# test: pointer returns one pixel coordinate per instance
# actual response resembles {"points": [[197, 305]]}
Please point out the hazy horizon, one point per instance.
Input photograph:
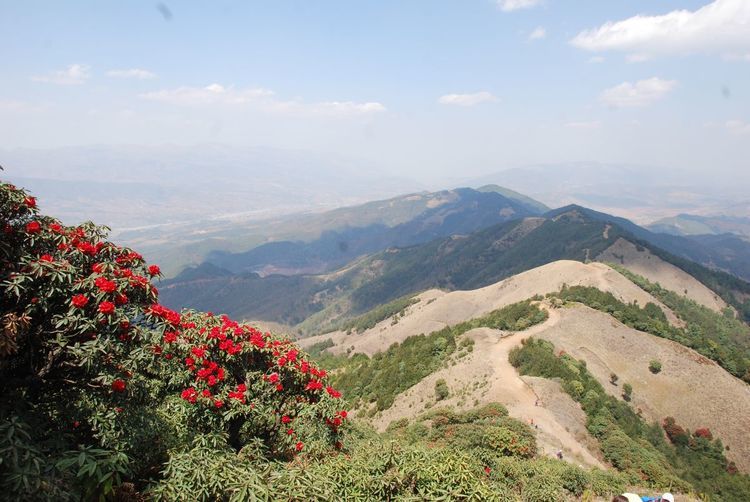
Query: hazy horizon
{"points": [[255, 109]]}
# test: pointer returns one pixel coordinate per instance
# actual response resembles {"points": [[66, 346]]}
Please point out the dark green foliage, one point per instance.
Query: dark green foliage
{"points": [[515, 317], [477, 455], [315, 350], [389, 373], [699, 458], [441, 390], [648, 318], [654, 366], [631, 445], [721, 337], [371, 318], [627, 391]]}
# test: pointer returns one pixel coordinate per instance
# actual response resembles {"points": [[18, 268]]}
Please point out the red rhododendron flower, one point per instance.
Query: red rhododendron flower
{"points": [[46, 257], [190, 395], [106, 308], [170, 336], [30, 201], [273, 377], [88, 248], [161, 311], [105, 285], [299, 446], [118, 385], [79, 301], [198, 352], [218, 403], [285, 419], [56, 228], [121, 299], [314, 385], [33, 227], [154, 270], [343, 414], [333, 392], [290, 432], [97, 267]]}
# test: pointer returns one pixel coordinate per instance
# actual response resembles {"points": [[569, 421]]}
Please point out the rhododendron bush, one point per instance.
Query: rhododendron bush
{"points": [[100, 384]]}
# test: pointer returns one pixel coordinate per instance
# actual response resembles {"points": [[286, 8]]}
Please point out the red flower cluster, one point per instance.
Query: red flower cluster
{"points": [[118, 385], [105, 285], [217, 351], [229, 368], [164, 313], [33, 227], [79, 301], [106, 308]]}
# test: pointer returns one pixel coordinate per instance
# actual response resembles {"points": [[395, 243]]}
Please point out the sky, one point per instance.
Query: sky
{"points": [[420, 88]]}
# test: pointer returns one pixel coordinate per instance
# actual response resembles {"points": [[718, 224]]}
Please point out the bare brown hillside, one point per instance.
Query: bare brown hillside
{"points": [[640, 261], [691, 388], [438, 309], [694, 390]]}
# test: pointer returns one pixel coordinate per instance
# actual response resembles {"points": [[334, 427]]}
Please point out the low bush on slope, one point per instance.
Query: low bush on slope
{"points": [[632, 446]]}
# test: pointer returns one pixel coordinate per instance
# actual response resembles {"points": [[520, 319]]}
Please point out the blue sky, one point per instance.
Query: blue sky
{"points": [[426, 88]]}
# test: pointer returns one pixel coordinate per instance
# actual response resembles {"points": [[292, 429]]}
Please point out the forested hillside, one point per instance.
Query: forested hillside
{"points": [[456, 262]]}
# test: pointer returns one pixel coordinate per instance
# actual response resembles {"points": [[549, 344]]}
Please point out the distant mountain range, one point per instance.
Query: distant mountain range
{"points": [[691, 224], [461, 260], [430, 216]]}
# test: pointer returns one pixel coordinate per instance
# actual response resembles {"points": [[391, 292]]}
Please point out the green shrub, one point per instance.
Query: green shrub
{"points": [[441, 390], [627, 391], [654, 366]]}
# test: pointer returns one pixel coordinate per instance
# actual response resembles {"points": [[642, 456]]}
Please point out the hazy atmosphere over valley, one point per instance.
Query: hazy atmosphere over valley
{"points": [[456, 250]]}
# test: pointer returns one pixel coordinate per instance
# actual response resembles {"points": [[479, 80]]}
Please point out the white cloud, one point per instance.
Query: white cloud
{"points": [[538, 33], [738, 127], [641, 93], [511, 5], [722, 26], [217, 94], [211, 94], [74, 74], [592, 124], [137, 73], [467, 99]]}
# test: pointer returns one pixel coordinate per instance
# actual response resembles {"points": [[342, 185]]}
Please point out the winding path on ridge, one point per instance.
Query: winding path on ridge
{"points": [[488, 363]]}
